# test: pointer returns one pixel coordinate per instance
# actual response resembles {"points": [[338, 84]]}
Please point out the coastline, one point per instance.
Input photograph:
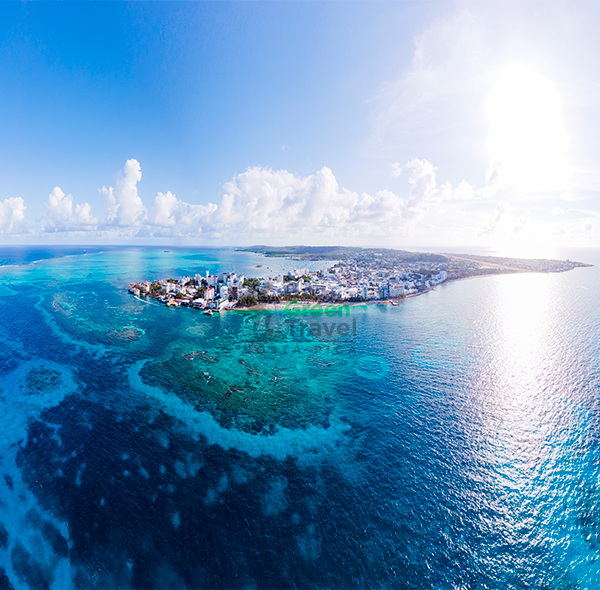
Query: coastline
{"points": [[397, 301], [309, 302]]}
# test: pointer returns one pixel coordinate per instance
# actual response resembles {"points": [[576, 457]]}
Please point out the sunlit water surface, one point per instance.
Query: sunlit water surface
{"points": [[450, 442]]}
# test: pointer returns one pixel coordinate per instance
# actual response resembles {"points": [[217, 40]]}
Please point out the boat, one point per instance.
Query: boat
{"points": [[208, 312]]}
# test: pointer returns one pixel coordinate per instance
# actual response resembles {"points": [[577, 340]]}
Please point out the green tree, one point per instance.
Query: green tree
{"points": [[246, 301], [251, 283]]}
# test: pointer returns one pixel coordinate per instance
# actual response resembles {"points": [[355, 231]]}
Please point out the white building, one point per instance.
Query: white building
{"points": [[440, 277], [397, 290]]}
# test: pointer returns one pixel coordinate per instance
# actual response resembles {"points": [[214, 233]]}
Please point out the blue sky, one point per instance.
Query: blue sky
{"points": [[391, 123]]}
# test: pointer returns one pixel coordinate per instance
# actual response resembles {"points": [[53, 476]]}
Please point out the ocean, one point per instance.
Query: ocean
{"points": [[451, 442]]}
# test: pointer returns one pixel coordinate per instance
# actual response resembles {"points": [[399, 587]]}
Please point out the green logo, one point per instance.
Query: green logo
{"points": [[294, 310]]}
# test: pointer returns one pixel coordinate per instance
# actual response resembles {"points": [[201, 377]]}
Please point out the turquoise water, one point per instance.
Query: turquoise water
{"points": [[449, 442]]}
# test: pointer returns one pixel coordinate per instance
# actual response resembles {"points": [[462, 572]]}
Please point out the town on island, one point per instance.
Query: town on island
{"points": [[357, 275]]}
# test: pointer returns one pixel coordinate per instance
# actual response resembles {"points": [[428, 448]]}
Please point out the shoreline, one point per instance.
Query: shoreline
{"points": [[309, 303], [397, 301]]}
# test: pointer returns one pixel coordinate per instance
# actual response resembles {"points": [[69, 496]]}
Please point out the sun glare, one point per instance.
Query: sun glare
{"points": [[527, 130]]}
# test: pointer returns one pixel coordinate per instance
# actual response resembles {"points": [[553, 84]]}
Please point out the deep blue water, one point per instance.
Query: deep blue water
{"points": [[450, 442]]}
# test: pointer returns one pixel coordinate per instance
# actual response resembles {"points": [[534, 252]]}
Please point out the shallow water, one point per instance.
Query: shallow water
{"points": [[449, 442]]}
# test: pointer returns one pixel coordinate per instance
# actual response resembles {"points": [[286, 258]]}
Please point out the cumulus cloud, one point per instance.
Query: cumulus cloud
{"points": [[178, 217], [125, 206], [12, 215], [257, 203], [61, 216], [424, 191], [506, 221], [263, 202], [501, 209]]}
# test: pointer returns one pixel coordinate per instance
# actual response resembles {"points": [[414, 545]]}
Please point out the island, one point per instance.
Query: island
{"points": [[356, 275]]}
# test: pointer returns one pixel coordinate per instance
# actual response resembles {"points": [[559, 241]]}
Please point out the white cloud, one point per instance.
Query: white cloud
{"points": [[176, 217], [506, 221], [125, 206], [261, 204], [60, 215], [492, 174], [465, 192], [439, 94], [12, 215], [423, 190]]}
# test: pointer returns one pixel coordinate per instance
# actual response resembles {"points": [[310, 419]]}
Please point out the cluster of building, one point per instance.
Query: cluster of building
{"points": [[209, 292], [348, 283], [342, 282]]}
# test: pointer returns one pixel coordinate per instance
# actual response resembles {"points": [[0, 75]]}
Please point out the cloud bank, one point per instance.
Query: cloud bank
{"points": [[265, 205], [257, 203]]}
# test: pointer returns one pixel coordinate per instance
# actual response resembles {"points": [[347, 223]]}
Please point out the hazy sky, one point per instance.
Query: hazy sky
{"points": [[370, 123]]}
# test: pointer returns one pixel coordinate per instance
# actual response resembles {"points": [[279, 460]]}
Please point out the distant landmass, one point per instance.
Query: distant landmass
{"points": [[392, 256], [342, 253]]}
